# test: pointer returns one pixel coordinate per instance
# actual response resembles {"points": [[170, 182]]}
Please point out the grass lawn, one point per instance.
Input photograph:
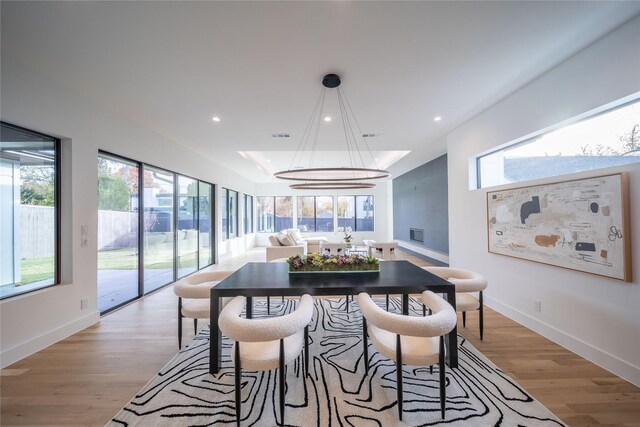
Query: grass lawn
{"points": [[36, 269]]}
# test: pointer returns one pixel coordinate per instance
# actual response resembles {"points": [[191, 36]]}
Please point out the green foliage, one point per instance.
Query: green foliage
{"points": [[113, 193], [38, 186]]}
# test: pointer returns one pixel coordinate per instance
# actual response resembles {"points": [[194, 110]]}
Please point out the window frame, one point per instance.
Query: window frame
{"points": [[57, 210], [355, 204], [530, 138], [141, 203], [248, 213], [275, 204], [315, 213]]}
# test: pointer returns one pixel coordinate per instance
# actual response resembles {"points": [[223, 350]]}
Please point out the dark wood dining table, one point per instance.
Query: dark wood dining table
{"points": [[270, 279]]}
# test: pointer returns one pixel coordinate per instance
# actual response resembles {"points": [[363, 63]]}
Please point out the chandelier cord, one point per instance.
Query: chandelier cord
{"points": [[314, 146], [364, 140], [307, 131], [344, 99]]}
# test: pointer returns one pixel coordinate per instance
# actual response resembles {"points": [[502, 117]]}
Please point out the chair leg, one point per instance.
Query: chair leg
{"points": [[268, 305], [387, 302], [195, 326], [399, 374], [306, 351], [431, 369], [365, 345], [443, 388], [281, 381], [238, 374], [347, 304], [481, 317], [424, 310], [464, 319], [179, 323]]}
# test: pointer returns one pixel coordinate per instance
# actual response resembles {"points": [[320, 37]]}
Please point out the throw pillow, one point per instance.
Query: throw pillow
{"points": [[274, 241]]}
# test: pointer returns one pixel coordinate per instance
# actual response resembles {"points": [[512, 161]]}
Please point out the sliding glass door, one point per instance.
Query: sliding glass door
{"points": [[187, 236], [159, 236], [205, 231], [118, 197]]}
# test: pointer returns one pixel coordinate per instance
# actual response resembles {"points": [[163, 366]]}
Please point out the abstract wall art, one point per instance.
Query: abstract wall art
{"points": [[579, 224]]}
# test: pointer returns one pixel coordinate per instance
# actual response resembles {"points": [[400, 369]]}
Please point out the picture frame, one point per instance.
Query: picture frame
{"points": [[578, 224]]}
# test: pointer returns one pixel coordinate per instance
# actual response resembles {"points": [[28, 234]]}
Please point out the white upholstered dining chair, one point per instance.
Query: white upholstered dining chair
{"points": [[409, 340], [466, 283], [193, 297], [267, 343]]}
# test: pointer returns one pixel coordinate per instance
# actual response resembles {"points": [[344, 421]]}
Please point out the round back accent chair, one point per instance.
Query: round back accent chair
{"points": [[465, 282], [266, 343], [409, 340], [193, 297]]}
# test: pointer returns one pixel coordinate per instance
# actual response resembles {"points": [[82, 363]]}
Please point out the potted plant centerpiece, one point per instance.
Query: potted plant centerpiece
{"points": [[316, 263], [347, 234]]}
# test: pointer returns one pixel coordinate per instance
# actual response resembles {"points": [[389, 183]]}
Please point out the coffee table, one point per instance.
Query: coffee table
{"points": [[261, 279]]}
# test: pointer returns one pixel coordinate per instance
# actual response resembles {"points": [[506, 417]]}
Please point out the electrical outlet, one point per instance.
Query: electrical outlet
{"points": [[537, 305], [84, 241], [84, 304], [84, 230]]}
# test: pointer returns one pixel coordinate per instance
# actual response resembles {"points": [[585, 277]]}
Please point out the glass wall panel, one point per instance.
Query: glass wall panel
{"points": [[265, 214], [233, 214], [158, 234], [187, 235], [224, 213], [324, 213], [248, 214], [306, 213], [28, 210], [204, 224], [284, 213], [118, 196], [364, 213], [347, 212]]}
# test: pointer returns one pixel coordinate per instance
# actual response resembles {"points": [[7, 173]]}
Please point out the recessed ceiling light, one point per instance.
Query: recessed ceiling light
{"points": [[437, 118], [216, 119], [327, 119], [268, 160]]}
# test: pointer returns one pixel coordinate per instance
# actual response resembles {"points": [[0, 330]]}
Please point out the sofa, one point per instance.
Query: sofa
{"points": [[291, 242]]}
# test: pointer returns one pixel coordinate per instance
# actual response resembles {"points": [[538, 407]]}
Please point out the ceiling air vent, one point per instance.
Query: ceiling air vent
{"points": [[280, 135], [370, 135]]}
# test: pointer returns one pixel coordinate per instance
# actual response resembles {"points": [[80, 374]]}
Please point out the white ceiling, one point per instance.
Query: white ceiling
{"points": [[172, 66]]}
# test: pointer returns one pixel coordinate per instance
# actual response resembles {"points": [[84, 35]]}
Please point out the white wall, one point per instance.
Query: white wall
{"points": [[33, 321], [595, 317], [382, 199]]}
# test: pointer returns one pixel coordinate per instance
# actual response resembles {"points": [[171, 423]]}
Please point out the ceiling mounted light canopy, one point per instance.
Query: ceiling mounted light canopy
{"points": [[330, 178]]}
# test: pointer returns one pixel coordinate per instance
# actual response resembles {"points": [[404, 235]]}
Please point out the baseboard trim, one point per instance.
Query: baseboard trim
{"points": [[424, 251], [19, 352], [598, 356]]}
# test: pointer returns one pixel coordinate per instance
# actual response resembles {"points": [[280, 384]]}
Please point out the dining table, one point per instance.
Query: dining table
{"points": [[271, 279]]}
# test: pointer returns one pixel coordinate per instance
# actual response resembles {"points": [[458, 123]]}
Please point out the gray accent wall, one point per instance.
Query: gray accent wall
{"points": [[421, 200]]}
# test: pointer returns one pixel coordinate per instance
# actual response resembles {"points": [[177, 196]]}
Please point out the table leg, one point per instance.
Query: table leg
{"points": [[249, 307], [451, 339], [215, 336], [405, 304]]}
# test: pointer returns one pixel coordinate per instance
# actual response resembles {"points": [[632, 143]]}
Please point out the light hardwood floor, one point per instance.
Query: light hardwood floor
{"points": [[90, 376]]}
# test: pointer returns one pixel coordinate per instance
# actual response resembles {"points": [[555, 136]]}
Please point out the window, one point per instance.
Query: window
{"points": [[229, 208], [187, 236], [205, 230], [148, 239], [356, 212], [118, 232], [248, 214], [274, 213], [607, 139], [315, 213], [158, 235], [30, 210]]}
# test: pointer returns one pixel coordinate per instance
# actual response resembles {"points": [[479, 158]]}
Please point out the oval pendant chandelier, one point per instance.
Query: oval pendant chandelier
{"points": [[330, 178]]}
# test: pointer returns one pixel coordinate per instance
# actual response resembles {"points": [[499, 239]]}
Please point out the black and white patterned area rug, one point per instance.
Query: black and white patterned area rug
{"points": [[337, 393]]}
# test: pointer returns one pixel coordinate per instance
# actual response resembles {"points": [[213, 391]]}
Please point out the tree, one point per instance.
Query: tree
{"points": [[38, 185], [629, 145], [113, 194]]}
